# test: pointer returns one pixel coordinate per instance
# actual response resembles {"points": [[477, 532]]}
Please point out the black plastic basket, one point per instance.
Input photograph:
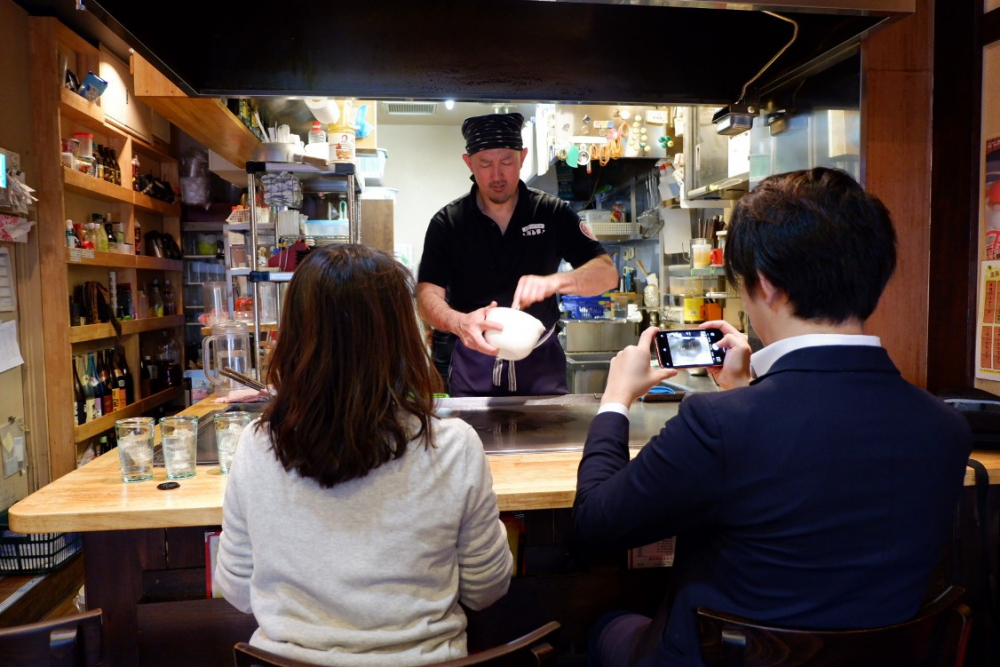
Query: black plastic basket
{"points": [[36, 553]]}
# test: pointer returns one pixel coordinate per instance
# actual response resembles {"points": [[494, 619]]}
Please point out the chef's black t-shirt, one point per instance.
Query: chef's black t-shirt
{"points": [[465, 252]]}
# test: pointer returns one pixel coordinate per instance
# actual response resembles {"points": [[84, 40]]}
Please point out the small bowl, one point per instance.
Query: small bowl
{"points": [[519, 335]]}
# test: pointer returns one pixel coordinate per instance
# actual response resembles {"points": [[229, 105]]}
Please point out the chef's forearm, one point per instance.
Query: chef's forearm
{"points": [[595, 277], [434, 310]]}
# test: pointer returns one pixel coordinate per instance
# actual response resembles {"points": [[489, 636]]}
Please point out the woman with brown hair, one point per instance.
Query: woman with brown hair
{"points": [[354, 520]]}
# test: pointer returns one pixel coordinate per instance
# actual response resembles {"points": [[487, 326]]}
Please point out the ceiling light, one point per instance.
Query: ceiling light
{"points": [[449, 104], [734, 119]]}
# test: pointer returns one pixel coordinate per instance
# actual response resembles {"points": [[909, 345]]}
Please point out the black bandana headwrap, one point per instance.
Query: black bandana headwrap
{"points": [[498, 130]]}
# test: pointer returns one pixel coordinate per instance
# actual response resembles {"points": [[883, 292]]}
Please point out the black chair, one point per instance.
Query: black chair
{"points": [[69, 641], [531, 650], [936, 637]]}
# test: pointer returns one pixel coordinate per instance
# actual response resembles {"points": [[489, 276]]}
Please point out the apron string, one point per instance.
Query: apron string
{"points": [[511, 372]]}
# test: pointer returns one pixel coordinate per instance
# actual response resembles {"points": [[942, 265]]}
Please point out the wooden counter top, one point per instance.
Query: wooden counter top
{"points": [[94, 497]]}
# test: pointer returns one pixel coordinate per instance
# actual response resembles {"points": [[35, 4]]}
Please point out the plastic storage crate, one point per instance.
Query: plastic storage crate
{"points": [[584, 307], [36, 553]]}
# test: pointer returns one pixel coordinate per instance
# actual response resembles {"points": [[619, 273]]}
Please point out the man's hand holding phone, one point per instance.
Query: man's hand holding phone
{"points": [[631, 375], [735, 370]]}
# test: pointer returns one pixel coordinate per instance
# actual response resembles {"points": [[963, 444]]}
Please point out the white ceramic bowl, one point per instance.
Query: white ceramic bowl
{"points": [[519, 335]]}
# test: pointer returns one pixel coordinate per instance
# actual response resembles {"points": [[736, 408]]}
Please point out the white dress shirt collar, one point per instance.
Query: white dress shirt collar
{"points": [[762, 360]]}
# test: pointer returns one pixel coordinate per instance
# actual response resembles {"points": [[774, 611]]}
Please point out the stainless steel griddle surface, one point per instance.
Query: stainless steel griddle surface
{"points": [[518, 425]]}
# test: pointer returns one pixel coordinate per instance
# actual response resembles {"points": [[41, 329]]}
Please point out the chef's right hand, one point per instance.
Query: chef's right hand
{"points": [[735, 369], [472, 327]]}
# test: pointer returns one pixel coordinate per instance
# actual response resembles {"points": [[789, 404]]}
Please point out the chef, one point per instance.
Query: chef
{"points": [[501, 244]]}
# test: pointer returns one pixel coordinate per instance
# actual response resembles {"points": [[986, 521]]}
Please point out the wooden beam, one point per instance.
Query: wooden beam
{"points": [[205, 119]]}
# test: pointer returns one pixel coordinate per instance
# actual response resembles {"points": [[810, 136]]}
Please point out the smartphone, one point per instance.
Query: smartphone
{"points": [[688, 348]]}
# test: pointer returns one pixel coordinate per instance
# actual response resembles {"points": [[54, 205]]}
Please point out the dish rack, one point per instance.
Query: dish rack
{"points": [[36, 553]]}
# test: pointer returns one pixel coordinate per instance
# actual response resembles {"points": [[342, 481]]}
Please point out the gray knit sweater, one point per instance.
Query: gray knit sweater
{"points": [[369, 572]]}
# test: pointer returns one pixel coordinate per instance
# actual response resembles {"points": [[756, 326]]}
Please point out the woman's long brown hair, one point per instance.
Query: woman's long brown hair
{"points": [[348, 367]]}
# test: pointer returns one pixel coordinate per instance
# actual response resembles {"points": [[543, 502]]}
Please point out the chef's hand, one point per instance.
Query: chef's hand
{"points": [[631, 374], [735, 370], [532, 289], [472, 327]]}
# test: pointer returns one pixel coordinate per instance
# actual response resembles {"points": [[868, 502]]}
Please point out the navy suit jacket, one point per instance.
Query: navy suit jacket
{"points": [[820, 496]]}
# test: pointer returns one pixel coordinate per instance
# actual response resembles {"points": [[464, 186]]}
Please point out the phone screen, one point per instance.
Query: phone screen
{"points": [[688, 348]]}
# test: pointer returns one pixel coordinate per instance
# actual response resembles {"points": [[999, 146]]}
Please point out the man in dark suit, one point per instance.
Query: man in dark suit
{"points": [[818, 489]]}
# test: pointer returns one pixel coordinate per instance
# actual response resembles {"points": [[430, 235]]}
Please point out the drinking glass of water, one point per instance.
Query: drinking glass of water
{"points": [[135, 448], [228, 429], [179, 438]]}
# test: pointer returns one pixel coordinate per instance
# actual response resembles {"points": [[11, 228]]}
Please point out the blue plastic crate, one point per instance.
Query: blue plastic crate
{"points": [[584, 307]]}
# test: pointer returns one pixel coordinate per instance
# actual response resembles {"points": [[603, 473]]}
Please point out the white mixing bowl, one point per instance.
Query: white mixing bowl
{"points": [[520, 333]]}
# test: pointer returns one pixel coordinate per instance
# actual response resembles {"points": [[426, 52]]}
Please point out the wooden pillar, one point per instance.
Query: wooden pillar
{"points": [[920, 136], [896, 131]]}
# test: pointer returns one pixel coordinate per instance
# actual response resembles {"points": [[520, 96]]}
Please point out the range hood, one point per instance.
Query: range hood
{"points": [[644, 52]]}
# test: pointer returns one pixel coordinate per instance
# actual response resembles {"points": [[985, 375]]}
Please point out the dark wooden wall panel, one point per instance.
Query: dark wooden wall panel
{"points": [[896, 136]]}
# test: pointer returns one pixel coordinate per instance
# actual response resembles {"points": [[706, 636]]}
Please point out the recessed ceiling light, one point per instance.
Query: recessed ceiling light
{"points": [[449, 104]]}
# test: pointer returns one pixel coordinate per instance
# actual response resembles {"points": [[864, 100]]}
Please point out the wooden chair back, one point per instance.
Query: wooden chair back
{"points": [[531, 650], [69, 641], [936, 637]]}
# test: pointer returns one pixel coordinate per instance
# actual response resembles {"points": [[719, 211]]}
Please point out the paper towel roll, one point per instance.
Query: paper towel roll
{"points": [[323, 109]]}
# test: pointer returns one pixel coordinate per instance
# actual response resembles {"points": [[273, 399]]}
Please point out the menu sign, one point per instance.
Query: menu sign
{"points": [[988, 340]]}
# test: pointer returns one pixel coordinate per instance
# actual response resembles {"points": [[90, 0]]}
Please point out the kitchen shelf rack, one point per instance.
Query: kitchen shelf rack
{"points": [[338, 177]]}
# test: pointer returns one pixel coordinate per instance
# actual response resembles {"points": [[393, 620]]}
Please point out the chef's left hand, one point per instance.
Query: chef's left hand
{"points": [[532, 289]]}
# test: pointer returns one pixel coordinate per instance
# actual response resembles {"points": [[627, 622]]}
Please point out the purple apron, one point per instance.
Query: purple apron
{"points": [[542, 373]]}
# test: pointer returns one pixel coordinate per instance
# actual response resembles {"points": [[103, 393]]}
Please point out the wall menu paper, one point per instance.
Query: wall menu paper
{"points": [[988, 338], [10, 352], [8, 298]]}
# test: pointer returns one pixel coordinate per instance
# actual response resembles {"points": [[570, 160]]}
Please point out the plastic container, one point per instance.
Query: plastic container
{"points": [[342, 143], [326, 228], [86, 149], [316, 134], [37, 553], [584, 307]]}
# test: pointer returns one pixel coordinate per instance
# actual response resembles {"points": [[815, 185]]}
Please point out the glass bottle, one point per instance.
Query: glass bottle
{"points": [[96, 390], [79, 397], [155, 300], [169, 306], [104, 380], [126, 380]]}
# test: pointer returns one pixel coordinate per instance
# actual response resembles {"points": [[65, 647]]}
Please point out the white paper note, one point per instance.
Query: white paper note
{"points": [[10, 351]]}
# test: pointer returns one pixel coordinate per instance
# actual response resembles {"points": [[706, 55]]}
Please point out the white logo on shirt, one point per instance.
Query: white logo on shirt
{"points": [[533, 230]]}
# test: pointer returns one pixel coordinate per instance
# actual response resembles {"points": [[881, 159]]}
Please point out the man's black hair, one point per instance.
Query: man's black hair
{"points": [[819, 237]]}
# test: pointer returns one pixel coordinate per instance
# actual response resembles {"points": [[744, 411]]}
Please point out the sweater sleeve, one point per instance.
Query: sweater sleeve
{"points": [[234, 562], [484, 559]]}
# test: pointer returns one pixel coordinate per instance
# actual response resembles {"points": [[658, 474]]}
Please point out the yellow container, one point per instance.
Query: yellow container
{"points": [[694, 309]]}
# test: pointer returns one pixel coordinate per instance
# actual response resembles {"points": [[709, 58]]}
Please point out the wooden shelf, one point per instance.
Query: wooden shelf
{"points": [[88, 186], [158, 263], [84, 112], [112, 260], [155, 205], [107, 422], [89, 332], [156, 152], [119, 261]]}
